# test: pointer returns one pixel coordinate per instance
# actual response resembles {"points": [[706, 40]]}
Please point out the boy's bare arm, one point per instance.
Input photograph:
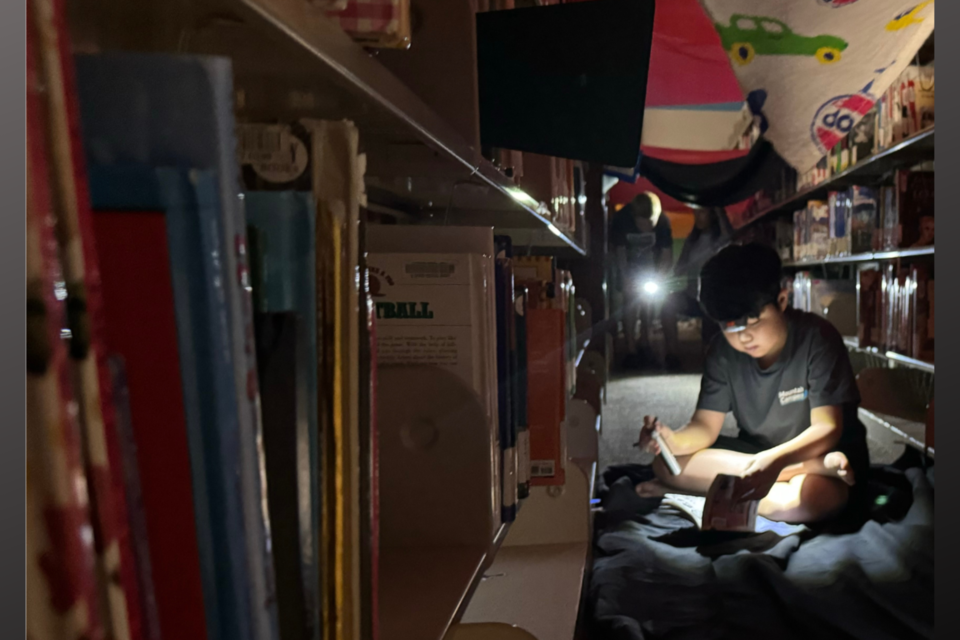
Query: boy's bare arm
{"points": [[823, 434], [698, 434]]}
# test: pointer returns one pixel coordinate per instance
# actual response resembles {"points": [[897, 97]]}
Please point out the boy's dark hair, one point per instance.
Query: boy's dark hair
{"points": [[739, 282]]}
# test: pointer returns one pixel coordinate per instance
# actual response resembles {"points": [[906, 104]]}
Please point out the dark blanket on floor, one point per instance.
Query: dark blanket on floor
{"points": [[656, 577]]}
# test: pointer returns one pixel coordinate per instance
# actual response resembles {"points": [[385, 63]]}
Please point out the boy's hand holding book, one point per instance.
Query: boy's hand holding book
{"points": [[757, 478]]}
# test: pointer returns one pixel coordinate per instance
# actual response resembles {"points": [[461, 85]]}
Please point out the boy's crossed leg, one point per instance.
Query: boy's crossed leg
{"points": [[804, 493]]}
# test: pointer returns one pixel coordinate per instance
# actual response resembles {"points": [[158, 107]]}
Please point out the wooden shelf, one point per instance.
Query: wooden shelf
{"points": [[915, 149], [902, 360], [534, 587], [899, 254], [417, 163], [425, 590]]}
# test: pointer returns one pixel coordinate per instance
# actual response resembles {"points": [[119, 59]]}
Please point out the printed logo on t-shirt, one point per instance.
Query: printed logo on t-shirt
{"points": [[792, 395]]}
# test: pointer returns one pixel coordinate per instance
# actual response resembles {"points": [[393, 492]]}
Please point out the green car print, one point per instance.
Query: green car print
{"points": [[748, 36]]}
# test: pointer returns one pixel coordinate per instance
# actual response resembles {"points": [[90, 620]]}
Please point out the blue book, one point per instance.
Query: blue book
{"points": [[188, 198], [166, 110], [519, 387], [505, 341], [286, 224]]}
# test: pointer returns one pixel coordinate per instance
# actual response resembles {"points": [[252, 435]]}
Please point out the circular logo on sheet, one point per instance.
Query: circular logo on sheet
{"points": [[836, 117]]}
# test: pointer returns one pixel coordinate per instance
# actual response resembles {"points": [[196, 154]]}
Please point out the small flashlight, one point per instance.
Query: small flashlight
{"points": [[651, 287]]}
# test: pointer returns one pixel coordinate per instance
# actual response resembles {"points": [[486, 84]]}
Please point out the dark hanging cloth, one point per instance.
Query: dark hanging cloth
{"points": [[718, 184]]}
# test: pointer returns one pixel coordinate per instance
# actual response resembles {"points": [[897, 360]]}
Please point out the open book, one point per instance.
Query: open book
{"points": [[718, 512]]}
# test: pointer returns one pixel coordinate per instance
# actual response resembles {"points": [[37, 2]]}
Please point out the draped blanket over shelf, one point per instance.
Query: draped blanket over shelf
{"points": [[812, 69], [805, 72]]}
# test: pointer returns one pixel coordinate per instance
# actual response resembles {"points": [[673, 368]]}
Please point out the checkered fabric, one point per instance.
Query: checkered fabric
{"points": [[369, 16]]}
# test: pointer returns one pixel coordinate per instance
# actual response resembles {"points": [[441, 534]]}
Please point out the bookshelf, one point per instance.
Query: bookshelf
{"points": [[417, 163], [425, 591], [913, 150], [393, 524]]}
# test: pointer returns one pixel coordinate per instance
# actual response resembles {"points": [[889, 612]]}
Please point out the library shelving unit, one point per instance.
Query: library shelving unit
{"points": [[897, 390], [290, 62], [911, 151]]}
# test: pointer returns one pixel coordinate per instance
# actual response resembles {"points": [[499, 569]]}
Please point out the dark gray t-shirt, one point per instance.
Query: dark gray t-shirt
{"points": [[773, 406]]}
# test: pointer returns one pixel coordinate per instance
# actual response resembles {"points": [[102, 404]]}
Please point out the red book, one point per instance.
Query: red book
{"points": [[140, 327], [545, 392]]}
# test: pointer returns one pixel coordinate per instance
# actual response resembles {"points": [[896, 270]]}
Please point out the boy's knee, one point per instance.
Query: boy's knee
{"points": [[660, 468], [824, 496], [663, 471]]}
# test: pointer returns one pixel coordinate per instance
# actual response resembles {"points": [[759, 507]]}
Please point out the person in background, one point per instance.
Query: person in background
{"points": [[711, 232], [642, 240]]}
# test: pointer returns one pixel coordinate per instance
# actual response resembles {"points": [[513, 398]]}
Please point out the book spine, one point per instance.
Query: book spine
{"points": [[60, 557], [369, 468], [281, 397], [337, 186], [545, 395], [519, 387], [136, 513], [286, 223], [89, 373], [262, 599], [223, 449], [504, 322]]}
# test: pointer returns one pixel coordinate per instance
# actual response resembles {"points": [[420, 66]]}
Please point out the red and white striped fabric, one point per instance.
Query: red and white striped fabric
{"points": [[370, 16]]}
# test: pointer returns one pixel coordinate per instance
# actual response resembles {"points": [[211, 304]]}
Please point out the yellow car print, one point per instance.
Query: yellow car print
{"points": [[908, 17]]}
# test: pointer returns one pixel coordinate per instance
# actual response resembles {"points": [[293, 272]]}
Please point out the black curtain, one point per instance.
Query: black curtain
{"points": [[721, 183]]}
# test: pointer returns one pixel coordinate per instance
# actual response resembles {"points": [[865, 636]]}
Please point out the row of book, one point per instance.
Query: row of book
{"points": [[203, 352], [903, 110], [888, 308], [865, 219], [201, 412], [897, 310]]}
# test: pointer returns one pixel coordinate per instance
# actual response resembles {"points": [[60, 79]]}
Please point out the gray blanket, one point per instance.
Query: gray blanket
{"points": [[656, 577]]}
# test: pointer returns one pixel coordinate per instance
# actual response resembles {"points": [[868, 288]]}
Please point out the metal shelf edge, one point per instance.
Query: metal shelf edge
{"points": [[325, 40], [864, 257], [807, 194], [854, 343]]}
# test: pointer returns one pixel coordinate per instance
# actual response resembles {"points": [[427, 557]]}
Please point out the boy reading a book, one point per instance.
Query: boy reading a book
{"points": [[786, 376]]}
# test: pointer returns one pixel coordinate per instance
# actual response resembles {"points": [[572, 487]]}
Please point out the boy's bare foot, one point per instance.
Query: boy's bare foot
{"points": [[836, 461], [651, 489]]}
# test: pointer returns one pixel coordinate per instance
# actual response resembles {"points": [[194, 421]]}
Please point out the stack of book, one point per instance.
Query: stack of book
{"points": [[897, 310], [864, 219]]}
